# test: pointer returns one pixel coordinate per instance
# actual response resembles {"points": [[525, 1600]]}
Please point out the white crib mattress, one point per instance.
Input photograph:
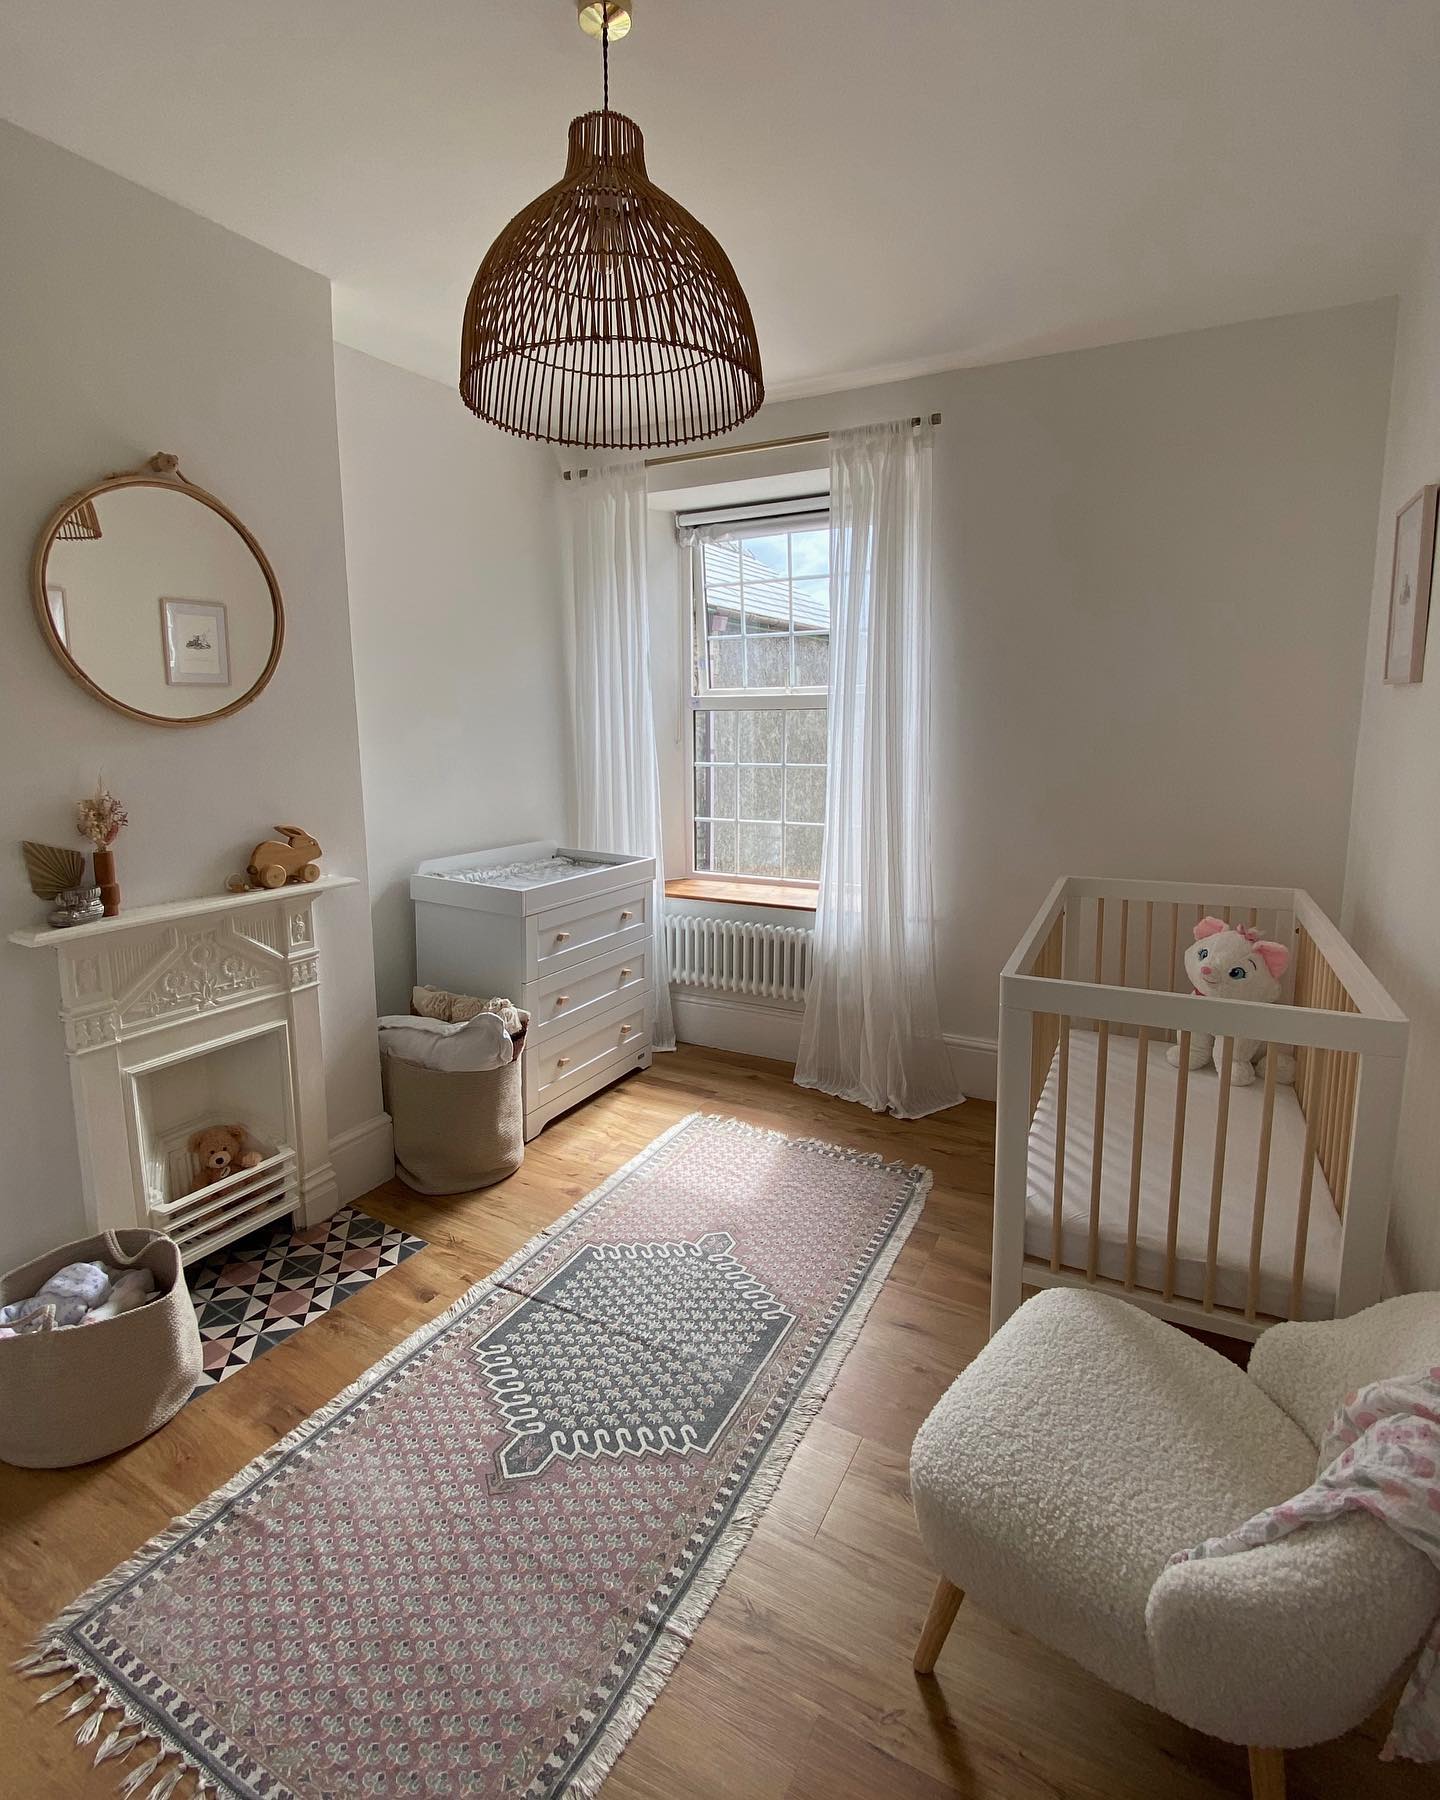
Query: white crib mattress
{"points": [[1322, 1256]]}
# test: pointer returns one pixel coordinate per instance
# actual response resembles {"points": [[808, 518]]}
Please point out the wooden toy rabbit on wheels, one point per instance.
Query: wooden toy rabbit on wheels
{"points": [[274, 863]]}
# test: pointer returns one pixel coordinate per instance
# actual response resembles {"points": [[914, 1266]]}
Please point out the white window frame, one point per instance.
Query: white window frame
{"points": [[788, 699]]}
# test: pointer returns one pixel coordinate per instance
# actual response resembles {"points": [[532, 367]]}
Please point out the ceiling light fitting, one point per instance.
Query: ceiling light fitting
{"points": [[604, 315]]}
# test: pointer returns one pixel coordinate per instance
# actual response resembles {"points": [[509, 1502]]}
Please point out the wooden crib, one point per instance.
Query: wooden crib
{"points": [[1210, 1204]]}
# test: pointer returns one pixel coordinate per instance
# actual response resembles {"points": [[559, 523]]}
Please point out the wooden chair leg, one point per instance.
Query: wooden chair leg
{"points": [[1267, 1773], [944, 1604]]}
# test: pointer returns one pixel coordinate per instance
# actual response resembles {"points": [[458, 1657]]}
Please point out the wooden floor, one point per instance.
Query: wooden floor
{"points": [[798, 1685]]}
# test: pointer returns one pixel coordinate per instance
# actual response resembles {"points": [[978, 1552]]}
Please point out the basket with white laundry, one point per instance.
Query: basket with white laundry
{"points": [[451, 1072]]}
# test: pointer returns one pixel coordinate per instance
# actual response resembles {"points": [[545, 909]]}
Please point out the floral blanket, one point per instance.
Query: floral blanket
{"points": [[1381, 1456]]}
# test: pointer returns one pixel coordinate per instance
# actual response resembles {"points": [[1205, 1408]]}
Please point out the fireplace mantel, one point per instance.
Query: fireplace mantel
{"points": [[194, 1013], [50, 937]]}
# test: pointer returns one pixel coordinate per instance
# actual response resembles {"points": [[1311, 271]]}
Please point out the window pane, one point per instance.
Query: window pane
{"points": [[812, 659], [723, 793], [758, 850], [767, 662], [772, 551], [721, 563], [760, 790], [812, 605], [767, 606], [802, 852], [805, 796], [760, 735], [703, 863], [725, 662], [722, 619], [723, 848], [714, 737], [810, 552], [805, 736]]}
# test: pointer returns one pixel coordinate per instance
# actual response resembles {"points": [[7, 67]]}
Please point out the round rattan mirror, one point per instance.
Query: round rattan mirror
{"points": [[156, 599]]}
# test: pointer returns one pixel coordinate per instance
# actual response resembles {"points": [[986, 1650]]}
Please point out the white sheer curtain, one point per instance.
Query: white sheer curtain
{"points": [[872, 1026], [617, 773]]}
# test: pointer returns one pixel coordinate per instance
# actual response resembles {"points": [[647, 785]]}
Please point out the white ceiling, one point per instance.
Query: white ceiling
{"points": [[901, 187]]}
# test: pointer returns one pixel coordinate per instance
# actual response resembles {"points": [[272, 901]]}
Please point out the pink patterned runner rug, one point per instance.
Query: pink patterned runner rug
{"points": [[474, 1570]]}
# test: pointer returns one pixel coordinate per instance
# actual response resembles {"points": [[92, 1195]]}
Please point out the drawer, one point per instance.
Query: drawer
{"points": [[565, 1059], [571, 997], [585, 929]]}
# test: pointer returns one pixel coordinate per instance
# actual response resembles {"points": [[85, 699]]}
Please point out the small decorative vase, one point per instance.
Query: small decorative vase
{"points": [[106, 882], [76, 906]]}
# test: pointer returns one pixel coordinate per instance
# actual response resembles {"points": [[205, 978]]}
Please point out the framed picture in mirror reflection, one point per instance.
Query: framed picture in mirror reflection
{"points": [[196, 643]]}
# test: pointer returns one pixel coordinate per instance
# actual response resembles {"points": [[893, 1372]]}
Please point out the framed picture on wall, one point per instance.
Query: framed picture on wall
{"points": [[1410, 577], [196, 643], [55, 606]]}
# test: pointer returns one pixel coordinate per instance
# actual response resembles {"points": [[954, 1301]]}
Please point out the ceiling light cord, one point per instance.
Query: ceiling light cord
{"points": [[605, 49]]}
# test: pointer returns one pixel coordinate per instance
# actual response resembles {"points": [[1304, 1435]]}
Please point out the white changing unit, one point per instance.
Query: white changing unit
{"points": [[566, 934]]}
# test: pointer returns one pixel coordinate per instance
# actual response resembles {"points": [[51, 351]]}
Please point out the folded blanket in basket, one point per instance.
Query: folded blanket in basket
{"points": [[1380, 1456], [471, 1044], [81, 1293]]}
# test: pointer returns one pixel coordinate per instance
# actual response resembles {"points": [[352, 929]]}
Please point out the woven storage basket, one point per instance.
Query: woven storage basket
{"points": [[455, 1132], [74, 1395]]}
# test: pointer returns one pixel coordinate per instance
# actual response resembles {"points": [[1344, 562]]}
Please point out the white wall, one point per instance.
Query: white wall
{"points": [[1392, 882], [132, 326], [455, 598], [1151, 573]]}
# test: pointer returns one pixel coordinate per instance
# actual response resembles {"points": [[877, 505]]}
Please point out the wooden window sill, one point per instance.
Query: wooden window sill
{"points": [[742, 893]]}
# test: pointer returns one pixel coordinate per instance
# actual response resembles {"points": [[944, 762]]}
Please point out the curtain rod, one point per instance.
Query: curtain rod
{"points": [[784, 443]]}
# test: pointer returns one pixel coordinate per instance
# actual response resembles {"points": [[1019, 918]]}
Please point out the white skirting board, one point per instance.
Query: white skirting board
{"points": [[363, 1157], [758, 1028]]}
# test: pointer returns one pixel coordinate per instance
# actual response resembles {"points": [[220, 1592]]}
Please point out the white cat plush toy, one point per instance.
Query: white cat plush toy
{"points": [[1233, 962]]}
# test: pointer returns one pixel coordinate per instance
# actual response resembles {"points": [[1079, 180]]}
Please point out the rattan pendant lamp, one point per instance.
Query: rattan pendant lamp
{"points": [[605, 315]]}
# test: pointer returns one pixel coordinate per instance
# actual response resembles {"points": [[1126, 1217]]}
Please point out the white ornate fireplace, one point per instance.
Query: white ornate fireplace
{"points": [[196, 1013]]}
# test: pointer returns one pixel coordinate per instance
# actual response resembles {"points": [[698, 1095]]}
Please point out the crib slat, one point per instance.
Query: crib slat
{"points": [[1217, 1173], [1177, 1161], [1097, 1147], [1100, 938], [1137, 1144], [1330, 1106], [1124, 976], [1348, 1082], [1172, 977], [1307, 1183], [1124, 943], [1262, 1182], [1149, 939], [1062, 1094]]}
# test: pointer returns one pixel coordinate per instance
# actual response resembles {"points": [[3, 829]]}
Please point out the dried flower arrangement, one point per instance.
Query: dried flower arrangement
{"points": [[101, 818]]}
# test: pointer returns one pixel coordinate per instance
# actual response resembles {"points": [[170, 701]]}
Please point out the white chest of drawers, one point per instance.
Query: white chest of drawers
{"points": [[566, 934]]}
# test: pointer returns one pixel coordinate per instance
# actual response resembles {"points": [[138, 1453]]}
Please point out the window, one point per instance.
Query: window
{"points": [[760, 667]]}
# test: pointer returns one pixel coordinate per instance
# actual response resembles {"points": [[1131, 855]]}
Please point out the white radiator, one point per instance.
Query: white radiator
{"points": [[771, 962]]}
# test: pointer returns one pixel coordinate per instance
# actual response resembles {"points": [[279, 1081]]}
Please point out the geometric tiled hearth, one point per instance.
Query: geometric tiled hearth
{"points": [[260, 1290]]}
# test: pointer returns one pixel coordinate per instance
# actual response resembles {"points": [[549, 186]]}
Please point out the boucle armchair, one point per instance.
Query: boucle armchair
{"points": [[1089, 1441]]}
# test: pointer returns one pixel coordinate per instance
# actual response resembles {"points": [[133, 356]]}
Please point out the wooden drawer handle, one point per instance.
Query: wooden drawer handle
{"points": [[626, 915], [625, 1029], [560, 999], [625, 974], [561, 936], [560, 1061]]}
